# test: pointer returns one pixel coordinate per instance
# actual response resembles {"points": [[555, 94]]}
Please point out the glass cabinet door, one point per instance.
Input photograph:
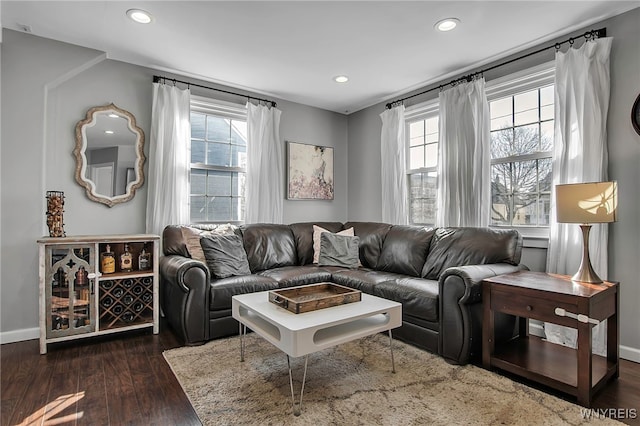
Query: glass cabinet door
{"points": [[69, 289]]}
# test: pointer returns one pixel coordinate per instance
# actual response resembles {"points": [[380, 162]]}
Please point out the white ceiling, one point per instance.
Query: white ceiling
{"points": [[293, 49]]}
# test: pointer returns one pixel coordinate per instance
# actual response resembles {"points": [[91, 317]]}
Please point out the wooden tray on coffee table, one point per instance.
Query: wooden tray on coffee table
{"points": [[307, 298]]}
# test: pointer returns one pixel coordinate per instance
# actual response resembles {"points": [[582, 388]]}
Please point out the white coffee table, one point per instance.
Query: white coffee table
{"points": [[301, 334]]}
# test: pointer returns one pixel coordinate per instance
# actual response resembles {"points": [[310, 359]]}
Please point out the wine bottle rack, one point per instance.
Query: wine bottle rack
{"points": [[81, 297], [125, 301]]}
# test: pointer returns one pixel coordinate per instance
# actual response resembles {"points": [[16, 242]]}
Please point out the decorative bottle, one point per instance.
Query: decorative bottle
{"points": [[108, 261], [144, 260], [126, 260]]}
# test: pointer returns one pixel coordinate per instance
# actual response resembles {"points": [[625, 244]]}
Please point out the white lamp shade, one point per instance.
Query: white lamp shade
{"points": [[594, 202]]}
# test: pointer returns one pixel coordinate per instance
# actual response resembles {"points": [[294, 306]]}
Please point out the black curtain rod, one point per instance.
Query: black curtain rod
{"points": [[157, 78], [589, 35]]}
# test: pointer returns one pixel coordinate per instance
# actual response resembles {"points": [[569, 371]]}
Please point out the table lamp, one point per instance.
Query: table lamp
{"points": [[587, 203]]}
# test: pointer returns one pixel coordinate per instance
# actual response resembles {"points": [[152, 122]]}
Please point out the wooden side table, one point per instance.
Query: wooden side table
{"points": [[538, 295]]}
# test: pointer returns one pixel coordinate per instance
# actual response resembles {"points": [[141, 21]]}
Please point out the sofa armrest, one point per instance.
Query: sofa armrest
{"points": [[185, 294], [460, 290]]}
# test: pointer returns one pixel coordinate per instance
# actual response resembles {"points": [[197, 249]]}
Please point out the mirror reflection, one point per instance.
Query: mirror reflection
{"points": [[109, 155]]}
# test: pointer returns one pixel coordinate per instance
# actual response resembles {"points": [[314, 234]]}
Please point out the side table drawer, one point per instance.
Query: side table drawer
{"points": [[531, 307]]}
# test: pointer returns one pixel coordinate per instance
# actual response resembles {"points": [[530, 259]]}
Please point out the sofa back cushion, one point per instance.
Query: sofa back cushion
{"points": [[303, 235], [471, 246], [184, 240], [371, 236], [269, 246], [405, 249]]}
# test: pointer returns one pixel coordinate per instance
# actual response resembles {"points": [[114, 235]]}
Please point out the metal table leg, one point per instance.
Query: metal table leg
{"points": [[393, 363], [243, 332], [297, 409]]}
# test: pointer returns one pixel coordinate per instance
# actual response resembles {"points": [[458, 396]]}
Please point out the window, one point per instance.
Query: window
{"points": [[521, 151], [218, 161], [521, 111], [422, 134]]}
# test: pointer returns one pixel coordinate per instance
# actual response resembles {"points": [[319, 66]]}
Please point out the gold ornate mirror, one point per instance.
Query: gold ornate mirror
{"points": [[109, 155]]}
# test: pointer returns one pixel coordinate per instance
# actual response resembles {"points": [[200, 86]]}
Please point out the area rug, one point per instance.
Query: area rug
{"points": [[352, 384]]}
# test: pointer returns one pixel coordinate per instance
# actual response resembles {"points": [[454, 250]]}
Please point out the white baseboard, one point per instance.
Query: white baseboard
{"points": [[630, 354], [19, 335]]}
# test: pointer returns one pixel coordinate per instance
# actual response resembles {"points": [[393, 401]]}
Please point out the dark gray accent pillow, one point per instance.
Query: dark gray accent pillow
{"points": [[339, 250], [225, 255]]}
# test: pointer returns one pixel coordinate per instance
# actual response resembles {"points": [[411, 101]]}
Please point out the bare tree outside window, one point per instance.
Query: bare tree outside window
{"points": [[521, 166]]}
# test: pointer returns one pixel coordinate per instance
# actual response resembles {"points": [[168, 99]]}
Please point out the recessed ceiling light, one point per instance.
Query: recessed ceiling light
{"points": [[341, 79], [109, 132], [139, 15], [112, 115], [447, 24]]}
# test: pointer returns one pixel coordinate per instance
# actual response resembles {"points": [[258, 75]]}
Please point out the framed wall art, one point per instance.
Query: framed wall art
{"points": [[309, 172]]}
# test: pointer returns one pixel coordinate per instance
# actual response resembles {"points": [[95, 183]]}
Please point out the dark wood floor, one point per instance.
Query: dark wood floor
{"points": [[124, 379]]}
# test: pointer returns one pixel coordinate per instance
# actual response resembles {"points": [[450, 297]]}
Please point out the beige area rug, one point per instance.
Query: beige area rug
{"points": [[352, 384]]}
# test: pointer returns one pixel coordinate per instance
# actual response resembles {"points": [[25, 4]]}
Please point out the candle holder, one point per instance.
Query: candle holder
{"points": [[55, 209]]}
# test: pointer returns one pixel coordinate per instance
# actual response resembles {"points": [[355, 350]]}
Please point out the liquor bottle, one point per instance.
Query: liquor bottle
{"points": [[126, 260], [144, 260], [108, 261], [82, 277]]}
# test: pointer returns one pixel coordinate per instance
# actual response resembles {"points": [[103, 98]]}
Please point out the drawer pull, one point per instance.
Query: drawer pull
{"points": [[529, 308], [580, 317]]}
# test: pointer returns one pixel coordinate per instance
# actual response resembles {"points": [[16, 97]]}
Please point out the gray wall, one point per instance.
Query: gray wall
{"points": [[48, 87], [624, 158]]}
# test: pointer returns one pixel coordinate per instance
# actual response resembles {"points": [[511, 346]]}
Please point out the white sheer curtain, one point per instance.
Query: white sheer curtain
{"points": [[464, 163], [168, 192], [265, 165], [580, 155], [393, 167]]}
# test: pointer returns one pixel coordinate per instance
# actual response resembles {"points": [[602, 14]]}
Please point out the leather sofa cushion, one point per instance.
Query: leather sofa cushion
{"points": [[363, 279], [223, 289], [405, 249], [225, 255], [185, 240], [290, 276], [303, 235], [371, 236], [419, 297], [471, 246], [269, 246], [173, 241]]}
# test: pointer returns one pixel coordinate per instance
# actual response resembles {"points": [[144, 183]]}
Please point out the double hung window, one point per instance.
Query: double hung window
{"points": [[522, 128], [218, 161], [422, 134]]}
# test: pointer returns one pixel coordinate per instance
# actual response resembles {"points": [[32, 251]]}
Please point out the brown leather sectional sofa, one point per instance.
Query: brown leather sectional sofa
{"points": [[435, 273]]}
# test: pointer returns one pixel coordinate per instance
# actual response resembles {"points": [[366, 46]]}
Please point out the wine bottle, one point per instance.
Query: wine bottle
{"points": [[127, 283], [107, 302], [137, 290], [117, 309], [147, 297], [137, 307], [118, 292], [106, 284], [127, 299], [127, 316]]}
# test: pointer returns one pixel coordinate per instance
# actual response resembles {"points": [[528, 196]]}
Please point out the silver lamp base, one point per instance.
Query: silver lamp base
{"points": [[586, 274]]}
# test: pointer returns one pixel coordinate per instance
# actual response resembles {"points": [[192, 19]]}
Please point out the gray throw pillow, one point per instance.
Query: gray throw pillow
{"points": [[339, 250], [225, 255]]}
